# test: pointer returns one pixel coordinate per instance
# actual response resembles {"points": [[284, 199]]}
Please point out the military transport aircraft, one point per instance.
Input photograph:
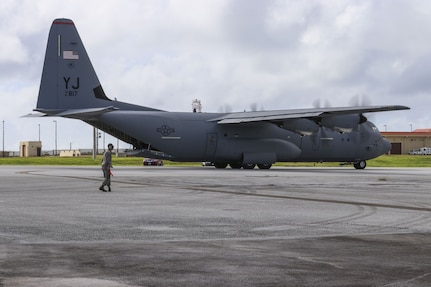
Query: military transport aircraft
{"points": [[70, 88]]}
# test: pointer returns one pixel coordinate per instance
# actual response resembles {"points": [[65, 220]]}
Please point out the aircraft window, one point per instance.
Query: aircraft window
{"points": [[373, 127]]}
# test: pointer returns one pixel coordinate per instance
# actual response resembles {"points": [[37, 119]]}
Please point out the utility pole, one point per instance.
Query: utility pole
{"points": [[55, 152], [94, 142], [118, 149], [3, 140]]}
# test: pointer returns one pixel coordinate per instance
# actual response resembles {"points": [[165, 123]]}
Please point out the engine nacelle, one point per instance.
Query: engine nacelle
{"points": [[342, 123], [301, 126]]}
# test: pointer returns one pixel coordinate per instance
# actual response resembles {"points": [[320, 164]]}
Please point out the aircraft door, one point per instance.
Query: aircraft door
{"points": [[211, 145]]}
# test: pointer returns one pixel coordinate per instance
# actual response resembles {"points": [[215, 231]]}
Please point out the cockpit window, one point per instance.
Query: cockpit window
{"points": [[373, 127]]}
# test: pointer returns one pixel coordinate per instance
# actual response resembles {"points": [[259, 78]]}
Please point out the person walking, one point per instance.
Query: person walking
{"points": [[106, 168]]}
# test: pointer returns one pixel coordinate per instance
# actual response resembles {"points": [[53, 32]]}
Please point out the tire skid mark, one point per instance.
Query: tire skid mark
{"points": [[244, 193]]}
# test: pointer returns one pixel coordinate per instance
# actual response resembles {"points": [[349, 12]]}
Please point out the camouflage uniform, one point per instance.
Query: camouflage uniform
{"points": [[106, 168]]}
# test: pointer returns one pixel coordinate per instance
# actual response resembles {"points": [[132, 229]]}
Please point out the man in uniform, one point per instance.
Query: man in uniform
{"points": [[106, 167]]}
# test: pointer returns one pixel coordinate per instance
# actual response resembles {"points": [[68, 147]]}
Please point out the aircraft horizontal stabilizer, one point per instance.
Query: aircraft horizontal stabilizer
{"points": [[31, 115], [75, 113]]}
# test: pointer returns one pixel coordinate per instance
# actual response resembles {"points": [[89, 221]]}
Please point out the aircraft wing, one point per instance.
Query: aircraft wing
{"points": [[280, 115]]}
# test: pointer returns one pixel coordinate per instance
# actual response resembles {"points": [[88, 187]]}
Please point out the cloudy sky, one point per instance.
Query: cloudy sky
{"points": [[230, 54]]}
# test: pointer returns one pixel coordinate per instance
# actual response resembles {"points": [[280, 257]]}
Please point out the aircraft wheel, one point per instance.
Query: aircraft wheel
{"points": [[264, 166], [360, 164], [235, 165], [220, 165], [248, 165]]}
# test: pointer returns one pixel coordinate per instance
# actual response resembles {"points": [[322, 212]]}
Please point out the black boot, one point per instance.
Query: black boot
{"points": [[109, 188], [102, 189]]}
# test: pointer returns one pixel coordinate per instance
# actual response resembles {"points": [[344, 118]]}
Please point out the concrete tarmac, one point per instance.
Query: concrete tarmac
{"points": [[199, 226]]}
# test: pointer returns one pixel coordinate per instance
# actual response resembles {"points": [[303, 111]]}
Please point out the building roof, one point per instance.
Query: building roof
{"points": [[415, 133], [422, 131]]}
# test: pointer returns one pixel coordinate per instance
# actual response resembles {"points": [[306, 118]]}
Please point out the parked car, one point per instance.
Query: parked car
{"points": [[153, 161], [421, 151]]}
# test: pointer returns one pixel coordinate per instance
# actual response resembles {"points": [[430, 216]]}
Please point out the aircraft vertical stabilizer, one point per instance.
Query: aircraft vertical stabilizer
{"points": [[69, 81], [68, 78]]}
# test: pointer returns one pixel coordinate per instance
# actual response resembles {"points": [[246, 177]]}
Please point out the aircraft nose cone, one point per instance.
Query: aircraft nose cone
{"points": [[386, 146]]}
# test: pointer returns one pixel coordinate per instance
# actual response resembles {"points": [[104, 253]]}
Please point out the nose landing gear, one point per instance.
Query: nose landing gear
{"points": [[360, 164]]}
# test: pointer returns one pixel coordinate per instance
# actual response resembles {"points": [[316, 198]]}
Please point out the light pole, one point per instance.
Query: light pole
{"points": [[99, 135], [3, 140], [55, 151], [94, 142], [39, 132], [118, 144], [386, 128], [411, 128]]}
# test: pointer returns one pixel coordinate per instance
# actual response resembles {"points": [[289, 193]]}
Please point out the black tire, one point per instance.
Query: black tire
{"points": [[264, 166], [360, 164], [248, 166], [235, 165], [220, 165]]}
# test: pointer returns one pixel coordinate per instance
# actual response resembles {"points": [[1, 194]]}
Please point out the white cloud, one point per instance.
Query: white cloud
{"points": [[13, 52]]}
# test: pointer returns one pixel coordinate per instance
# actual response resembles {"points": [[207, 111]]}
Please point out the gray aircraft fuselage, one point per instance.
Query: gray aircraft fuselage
{"points": [[194, 137]]}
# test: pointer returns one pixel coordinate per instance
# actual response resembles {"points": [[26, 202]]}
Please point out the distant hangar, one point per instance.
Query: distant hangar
{"points": [[403, 142]]}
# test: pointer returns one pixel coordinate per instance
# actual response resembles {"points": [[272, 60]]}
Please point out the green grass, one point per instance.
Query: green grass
{"points": [[382, 161], [80, 160], [401, 161]]}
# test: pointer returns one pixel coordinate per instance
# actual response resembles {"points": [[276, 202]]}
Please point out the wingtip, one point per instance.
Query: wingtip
{"points": [[400, 107]]}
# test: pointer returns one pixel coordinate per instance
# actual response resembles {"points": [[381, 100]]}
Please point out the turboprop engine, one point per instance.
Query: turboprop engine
{"points": [[343, 123], [339, 123], [303, 127]]}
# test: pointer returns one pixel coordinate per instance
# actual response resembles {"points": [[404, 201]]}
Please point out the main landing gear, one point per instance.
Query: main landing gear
{"points": [[244, 166], [358, 165]]}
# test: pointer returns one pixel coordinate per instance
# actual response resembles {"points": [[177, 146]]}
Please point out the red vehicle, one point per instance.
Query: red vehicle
{"points": [[153, 161]]}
